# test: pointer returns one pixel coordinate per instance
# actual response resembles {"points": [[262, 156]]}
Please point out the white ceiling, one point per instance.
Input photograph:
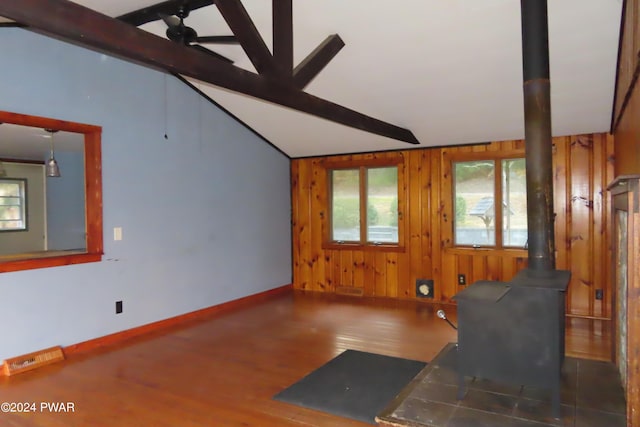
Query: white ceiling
{"points": [[31, 143], [448, 70]]}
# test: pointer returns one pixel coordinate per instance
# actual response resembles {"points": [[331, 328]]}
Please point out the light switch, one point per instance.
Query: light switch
{"points": [[117, 233]]}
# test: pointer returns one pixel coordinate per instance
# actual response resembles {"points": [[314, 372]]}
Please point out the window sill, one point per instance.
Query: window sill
{"points": [[361, 247], [45, 259], [502, 252]]}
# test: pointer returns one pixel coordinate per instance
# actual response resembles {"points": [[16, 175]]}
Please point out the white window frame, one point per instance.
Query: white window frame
{"points": [[498, 195], [22, 204]]}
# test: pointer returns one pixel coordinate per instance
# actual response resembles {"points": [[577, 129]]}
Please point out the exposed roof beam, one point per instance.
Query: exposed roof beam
{"points": [[88, 28], [282, 14], [153, 13], [11, 25], [247, 34], [309, 68]]}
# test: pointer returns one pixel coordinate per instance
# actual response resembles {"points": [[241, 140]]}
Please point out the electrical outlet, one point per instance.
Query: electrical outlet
{"points": [[118, 307], [599, 294], [117, 233], [462, 279]]}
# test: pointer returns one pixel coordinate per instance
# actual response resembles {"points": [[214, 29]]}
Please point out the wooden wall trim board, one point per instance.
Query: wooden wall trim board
{"points": [[161, 325], [633, 305], [173, 321], [583, 166]]}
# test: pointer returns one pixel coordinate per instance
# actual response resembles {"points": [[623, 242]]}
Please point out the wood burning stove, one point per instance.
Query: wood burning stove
{"points": [[513, 332]]}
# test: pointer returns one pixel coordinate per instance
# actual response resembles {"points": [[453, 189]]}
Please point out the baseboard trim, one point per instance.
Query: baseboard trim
{"points": [[160, 325]]}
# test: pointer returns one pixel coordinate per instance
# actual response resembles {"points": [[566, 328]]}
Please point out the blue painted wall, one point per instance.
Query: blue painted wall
{"points": [[65, 203], [205, 213]]}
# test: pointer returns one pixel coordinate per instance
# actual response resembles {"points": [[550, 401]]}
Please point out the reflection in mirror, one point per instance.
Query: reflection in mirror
{"points": [[48, 213]]}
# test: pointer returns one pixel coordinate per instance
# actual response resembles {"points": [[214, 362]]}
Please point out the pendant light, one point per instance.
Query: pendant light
{"points": [[52, 168]]}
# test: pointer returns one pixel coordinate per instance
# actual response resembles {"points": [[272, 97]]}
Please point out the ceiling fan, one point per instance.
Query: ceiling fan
{"points": [[178, 32], [173, 13]]}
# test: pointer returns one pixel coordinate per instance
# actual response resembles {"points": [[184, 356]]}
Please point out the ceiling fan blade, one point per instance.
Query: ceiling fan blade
{"points": [[218, 39], [170, 7], [210, 52]]}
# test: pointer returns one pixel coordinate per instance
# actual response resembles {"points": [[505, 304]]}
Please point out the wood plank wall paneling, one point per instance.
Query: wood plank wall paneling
{"points": [[628, 55], [580, 224], [582, 165], [627, 100], [626, 131]]}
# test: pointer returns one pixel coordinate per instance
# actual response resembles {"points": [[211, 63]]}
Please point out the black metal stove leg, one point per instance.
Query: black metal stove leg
{"points": [[461, 388], [555, 402]]}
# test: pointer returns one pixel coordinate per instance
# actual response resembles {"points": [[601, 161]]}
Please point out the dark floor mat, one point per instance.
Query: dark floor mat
{"points": [[354, 384]]}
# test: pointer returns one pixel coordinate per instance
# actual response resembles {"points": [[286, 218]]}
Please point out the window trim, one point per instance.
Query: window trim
{"points": [[363, 165], [497, 157], [23, 204], [93, 196]]}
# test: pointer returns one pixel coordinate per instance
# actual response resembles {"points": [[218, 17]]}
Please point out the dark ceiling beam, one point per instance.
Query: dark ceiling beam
{"points": [[309, 68], [85, 27], [153, 13], [11, 25], [282, 14], [247, 34]]}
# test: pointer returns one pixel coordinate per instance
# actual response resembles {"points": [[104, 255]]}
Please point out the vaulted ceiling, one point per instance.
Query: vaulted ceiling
{"points": [[442, 72]]}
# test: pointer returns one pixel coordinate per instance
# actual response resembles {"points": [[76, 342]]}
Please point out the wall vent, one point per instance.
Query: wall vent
{"points": [[349, 290], [27, 362]]}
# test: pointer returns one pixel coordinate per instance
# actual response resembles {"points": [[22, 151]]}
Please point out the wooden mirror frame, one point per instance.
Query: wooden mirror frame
{"points": [[93, 194]]}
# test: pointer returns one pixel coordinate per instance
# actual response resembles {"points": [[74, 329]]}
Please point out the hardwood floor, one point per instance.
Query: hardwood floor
{"points": [[223, 371]]}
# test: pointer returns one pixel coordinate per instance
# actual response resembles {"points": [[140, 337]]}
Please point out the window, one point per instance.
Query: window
{"points": [[364, 205], [13, 204], [490, 195]]}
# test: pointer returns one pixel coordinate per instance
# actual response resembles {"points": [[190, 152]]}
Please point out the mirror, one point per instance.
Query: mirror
{"points": [[49, 220]]}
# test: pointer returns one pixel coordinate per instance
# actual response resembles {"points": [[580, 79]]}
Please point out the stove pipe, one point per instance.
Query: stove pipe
{"points": [[538, 142]]}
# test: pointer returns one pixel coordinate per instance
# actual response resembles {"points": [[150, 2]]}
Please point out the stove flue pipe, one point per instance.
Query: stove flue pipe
{"points": [[538, 142]]}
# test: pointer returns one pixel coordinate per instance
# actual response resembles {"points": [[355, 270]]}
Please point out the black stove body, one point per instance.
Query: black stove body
{"points": [[513, 332]]}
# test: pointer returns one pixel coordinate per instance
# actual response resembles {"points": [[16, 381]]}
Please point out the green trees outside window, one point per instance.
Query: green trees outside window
{"points": [[490, 195], [364, 205]]}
